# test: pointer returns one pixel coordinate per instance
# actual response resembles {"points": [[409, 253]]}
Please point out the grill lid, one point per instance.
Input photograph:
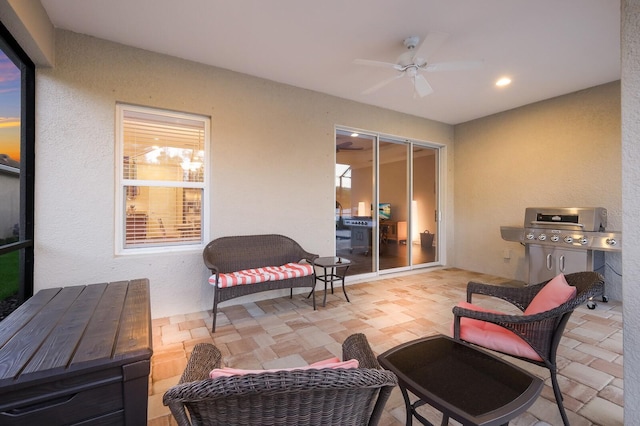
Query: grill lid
{"points": [[578, 228], [592, 219]]}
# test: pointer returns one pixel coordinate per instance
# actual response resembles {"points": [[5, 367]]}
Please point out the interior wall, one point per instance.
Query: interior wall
{"points": [[361, 189], [266, 178], [424, 191], [394, 190], [424, 176], [564, 152]]}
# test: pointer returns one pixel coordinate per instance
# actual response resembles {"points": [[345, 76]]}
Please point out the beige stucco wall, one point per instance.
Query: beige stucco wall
{"points": [[272, 162], [563, 152], [631, 206], [74, 231]]}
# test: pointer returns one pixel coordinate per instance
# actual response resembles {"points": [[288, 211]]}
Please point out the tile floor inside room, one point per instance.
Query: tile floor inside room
{"points": [[285, 332]]}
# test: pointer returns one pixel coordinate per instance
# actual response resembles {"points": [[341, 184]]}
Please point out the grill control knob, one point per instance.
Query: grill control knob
{"points": [[555, 238], [568, 239], [542, 237], [530, 236], [583, 240], [611, 241]]}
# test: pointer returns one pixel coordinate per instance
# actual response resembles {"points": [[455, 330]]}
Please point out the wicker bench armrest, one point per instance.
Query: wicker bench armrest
{"points": [[310, 257], [204, 358]]}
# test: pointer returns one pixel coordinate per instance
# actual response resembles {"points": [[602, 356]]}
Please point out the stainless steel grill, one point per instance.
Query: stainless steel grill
{"points": [[563, 240], [361, 230]]}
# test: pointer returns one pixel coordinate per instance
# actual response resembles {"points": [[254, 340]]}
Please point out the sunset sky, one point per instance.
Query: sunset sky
{"points": [[9, 108]]}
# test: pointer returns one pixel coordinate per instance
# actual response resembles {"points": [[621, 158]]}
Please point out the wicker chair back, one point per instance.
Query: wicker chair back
{"points": [[353, 396]]}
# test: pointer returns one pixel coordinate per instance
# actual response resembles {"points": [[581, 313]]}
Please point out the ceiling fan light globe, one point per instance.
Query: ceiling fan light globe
{"points": [[405, 59]]}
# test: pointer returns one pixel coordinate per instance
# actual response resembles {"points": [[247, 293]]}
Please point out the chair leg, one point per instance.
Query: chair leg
{"points": [[558, 395], [214, 313]]}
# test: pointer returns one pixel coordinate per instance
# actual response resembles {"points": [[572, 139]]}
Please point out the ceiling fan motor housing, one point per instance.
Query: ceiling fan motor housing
{"points": [[411, 42]]}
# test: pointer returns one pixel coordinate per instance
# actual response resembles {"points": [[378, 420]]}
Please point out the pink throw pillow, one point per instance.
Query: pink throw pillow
{"points": [[553, 294], [493, 336], [328, 363]]}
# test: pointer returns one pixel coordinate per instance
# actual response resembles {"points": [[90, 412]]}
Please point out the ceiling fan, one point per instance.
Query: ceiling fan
{"points": [[346, 146], [415, 60]]}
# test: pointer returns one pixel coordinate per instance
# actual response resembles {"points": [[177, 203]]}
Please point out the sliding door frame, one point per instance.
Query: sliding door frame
{"points": [[440, 186]]}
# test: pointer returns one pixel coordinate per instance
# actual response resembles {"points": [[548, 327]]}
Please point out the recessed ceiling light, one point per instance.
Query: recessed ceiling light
{"points": [[355, 135], [504, 81]]}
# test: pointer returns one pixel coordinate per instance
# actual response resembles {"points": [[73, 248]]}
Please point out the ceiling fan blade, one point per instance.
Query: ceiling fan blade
{"points": [[453, 66], [376, 63], [422, 86], [431, 43], [381, 84]]}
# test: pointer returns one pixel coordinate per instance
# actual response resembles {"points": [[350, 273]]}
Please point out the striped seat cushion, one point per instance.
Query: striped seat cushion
{"points": [[290, 270], [247, 276], [259, 275]]}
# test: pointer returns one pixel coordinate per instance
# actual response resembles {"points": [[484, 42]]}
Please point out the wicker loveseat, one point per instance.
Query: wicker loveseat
{"points": [[342, 396], [248, 264]]}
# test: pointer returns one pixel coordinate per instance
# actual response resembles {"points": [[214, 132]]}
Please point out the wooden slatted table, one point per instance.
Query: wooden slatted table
{"points": [[77, 354]]}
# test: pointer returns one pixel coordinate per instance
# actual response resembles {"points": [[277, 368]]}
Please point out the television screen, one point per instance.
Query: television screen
{"points": [[384, 211]]}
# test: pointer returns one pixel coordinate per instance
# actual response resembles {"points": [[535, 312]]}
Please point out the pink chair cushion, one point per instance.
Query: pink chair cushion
{"points": [[553, 294], [492, 336], [327, 363]]}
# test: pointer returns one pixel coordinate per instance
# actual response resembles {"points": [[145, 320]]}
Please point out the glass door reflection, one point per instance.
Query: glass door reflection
{"points": [[355, 224], [394, 209], [424, 205]]}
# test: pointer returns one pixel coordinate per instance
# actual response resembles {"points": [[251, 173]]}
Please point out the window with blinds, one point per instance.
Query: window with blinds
{"points": [[162, 177]]}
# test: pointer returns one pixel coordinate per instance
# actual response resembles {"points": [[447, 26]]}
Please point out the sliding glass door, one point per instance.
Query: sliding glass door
{"points": [[394, 209], [386, 202], [424, 205]]}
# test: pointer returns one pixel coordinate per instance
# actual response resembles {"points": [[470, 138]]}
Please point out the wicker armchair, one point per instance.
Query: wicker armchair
{"points": [[541, 331], [297, 397]]}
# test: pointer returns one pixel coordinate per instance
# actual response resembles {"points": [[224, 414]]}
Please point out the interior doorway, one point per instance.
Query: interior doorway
{"points": [[386, 202]]}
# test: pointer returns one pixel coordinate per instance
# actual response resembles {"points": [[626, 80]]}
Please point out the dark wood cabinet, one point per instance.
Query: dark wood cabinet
{"points": [[76, 355]]}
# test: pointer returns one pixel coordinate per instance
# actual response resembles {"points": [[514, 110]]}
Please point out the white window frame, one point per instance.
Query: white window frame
{"points": [[120, 204]]}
